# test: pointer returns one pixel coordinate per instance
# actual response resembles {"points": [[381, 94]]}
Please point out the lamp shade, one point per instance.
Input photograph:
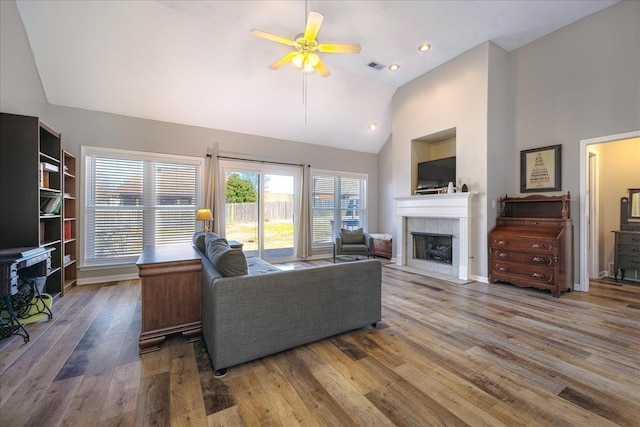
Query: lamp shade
{"points": [[204, 215]]}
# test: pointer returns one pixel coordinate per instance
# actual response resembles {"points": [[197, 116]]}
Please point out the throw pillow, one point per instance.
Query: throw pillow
{"points": [[229, 262], [351, 237], [198, 240]]}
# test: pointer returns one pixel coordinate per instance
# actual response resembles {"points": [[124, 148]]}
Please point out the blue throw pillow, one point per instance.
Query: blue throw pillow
{"points": [[198, 240]]}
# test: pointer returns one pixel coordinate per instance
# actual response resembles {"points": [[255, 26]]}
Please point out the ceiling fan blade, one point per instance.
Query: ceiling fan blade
{"points": [[313, 25], [339, 48], [322, 69], [272, 37], [284, 60]]}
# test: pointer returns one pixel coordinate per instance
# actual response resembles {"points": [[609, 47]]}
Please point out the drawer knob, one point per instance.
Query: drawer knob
{"points": [[502, 242], [538, 275], [537, 246], [503, 269], [538, 259], [635, 239], [503, 255]]}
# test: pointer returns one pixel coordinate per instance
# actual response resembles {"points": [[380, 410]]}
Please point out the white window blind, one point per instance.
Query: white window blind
{"points": [[134, 199], [338, 201]]}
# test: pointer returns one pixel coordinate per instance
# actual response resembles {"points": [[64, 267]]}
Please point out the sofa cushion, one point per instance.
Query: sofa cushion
{"points": [[260, 266], [229, 262], [198, 240], [352, 236]]}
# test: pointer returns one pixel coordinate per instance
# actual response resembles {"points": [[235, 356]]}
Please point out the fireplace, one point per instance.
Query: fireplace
{"points": [[440, 214], [432, 247]]}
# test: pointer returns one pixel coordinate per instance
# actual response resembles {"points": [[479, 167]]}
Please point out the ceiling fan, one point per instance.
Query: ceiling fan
{"points": [[306, 45]]}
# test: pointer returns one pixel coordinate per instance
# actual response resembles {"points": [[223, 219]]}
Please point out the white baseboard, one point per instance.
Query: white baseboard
{"points": [[106, 279], [482, 279]]}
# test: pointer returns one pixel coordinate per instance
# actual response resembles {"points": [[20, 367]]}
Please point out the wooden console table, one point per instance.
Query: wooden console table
{"points": [[170, 294]]}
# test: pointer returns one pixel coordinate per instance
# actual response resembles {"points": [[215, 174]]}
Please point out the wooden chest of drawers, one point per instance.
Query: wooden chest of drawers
{"points": [[533, 252]]}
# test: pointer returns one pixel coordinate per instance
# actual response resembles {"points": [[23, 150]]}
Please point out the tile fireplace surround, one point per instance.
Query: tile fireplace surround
{"points": [[448, 210]]}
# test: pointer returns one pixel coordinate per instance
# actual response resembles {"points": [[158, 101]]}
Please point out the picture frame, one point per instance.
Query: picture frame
{"points": [[540, 169]]}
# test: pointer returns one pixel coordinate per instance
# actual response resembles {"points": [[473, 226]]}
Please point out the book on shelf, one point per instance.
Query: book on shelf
{"points": [[50, 205], [67, 230], [48, 167], [44, 177]]}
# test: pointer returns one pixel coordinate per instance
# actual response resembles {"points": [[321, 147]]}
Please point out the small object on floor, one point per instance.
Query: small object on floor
{"points": [[220, 373]]}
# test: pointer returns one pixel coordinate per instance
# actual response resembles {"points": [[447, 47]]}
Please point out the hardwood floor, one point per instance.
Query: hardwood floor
{"points": [[444, 354]]}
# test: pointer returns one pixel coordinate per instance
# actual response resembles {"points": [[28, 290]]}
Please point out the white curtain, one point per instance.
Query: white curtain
{"points": [[304, 236], [210, 188]]}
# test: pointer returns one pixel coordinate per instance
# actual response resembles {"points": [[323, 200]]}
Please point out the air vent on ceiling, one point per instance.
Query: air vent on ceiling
{"points": [[375, 66]]}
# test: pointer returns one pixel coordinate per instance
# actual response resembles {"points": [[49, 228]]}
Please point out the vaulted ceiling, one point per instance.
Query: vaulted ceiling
{"points": [[196, 62]]}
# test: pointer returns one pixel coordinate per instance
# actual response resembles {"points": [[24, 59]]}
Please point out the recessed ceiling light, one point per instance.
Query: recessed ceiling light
{"points": [[424, 47], [373, 126], [394, 67]]}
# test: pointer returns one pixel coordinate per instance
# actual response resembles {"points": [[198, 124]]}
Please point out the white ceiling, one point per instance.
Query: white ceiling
{"points": [[196, 63]]}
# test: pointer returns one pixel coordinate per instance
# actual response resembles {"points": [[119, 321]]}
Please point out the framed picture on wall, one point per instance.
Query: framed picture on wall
{"points": [[540, 169]]}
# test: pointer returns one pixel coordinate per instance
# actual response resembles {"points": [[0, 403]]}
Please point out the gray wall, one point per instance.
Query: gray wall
{"points": [[20, 86], [454, 95], [580, 82]]}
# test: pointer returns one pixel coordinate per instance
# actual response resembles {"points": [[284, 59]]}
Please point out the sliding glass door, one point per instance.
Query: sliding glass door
{"points": [[260, 210]]}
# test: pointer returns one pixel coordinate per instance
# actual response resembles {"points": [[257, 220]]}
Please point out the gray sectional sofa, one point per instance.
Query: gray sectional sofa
{"points": [[249, 316]]}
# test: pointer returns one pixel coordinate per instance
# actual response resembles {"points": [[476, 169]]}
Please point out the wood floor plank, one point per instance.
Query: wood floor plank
{"points": [[186, 401], [122, 392], [445, 353]]}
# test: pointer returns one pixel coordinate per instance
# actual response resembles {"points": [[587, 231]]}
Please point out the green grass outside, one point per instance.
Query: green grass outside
{"points": [[277, 234]]}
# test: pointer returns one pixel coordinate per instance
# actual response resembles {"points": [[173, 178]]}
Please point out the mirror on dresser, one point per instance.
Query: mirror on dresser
{"points": [[634, 204], [627, 240]]}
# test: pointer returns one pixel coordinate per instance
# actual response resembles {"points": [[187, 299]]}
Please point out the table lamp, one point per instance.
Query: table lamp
{"points": [[204, 215]]}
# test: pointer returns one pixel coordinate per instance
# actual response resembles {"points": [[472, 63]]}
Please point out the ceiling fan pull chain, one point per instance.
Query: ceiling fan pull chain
{"points": [[304, 96]]}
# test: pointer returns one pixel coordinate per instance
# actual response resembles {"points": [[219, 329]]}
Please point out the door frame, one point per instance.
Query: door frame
{"points": [[584, 202], [261, 168], [593, 198]]}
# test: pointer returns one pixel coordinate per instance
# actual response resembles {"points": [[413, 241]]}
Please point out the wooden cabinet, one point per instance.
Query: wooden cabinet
{"points": [[532, 243], [382, 245], [170, 294], [69, 220], [31, 188]]}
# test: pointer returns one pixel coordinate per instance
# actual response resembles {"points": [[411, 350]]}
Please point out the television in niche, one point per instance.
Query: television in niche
{"points": [[436, 173]]}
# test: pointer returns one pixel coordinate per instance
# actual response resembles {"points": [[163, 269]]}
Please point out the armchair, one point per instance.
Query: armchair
{"points": [[353, 242]]}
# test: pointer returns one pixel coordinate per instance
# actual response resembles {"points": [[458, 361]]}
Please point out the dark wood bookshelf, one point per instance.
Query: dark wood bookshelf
{"points": [[26, 143]]}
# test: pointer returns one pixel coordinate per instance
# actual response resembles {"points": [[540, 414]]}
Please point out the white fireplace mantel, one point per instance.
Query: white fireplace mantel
{"points": [[455, 206]]}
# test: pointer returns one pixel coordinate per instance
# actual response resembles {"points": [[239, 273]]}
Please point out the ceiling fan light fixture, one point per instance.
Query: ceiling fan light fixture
{"points": [[298, 60], [424, 47], [312, 59]]}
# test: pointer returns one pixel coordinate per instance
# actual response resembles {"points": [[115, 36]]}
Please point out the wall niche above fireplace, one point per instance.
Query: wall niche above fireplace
{"points": [[440, 145]]}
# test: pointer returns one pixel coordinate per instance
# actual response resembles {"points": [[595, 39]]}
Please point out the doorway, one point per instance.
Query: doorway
{"points": [[259, 209], [592, 231]]}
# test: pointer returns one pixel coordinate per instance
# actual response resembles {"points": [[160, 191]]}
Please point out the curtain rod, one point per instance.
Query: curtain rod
{"points": [[261, 161]]}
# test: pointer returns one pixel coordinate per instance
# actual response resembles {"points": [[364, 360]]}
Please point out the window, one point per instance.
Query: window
{"points": [[337, 201], [134, 199]]}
